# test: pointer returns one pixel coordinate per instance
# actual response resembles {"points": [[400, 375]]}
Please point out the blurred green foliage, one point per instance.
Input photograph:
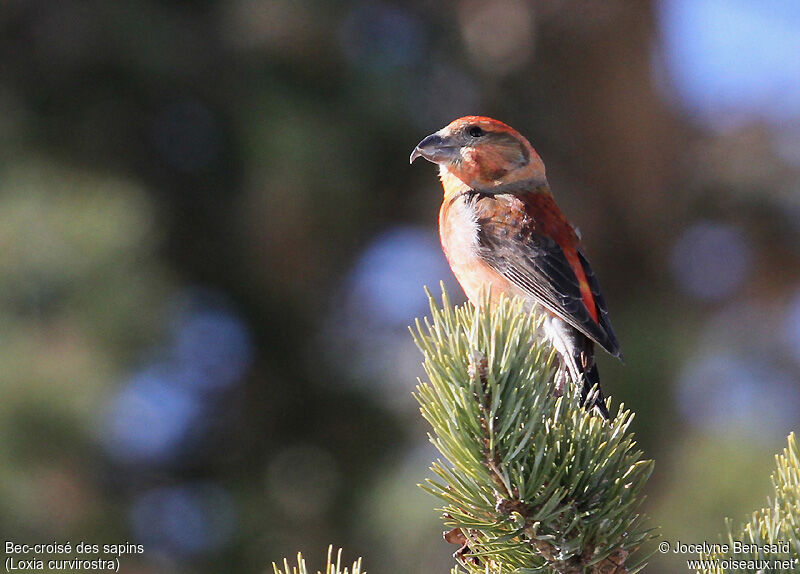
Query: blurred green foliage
{"points": [[771, 534]]}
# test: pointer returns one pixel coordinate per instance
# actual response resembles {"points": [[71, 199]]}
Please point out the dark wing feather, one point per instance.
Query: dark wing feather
{"points": [[602, 310], [542, 271]]}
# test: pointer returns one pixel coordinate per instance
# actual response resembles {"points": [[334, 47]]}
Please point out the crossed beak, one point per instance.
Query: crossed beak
{"points": [[436, 149]]}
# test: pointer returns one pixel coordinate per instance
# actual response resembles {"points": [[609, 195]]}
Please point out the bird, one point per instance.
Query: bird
{"points": [[502, 232]]}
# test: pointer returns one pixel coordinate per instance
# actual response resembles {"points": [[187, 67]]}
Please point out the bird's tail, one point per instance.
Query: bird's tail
{"points": [[577, 355], [592, 394]]}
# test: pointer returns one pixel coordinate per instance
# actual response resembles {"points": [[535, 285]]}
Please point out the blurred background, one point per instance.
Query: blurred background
{"points": [[211, 244]]}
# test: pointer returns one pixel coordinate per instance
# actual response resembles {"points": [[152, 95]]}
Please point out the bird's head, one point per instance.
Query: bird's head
{"points": [[482, 153]]}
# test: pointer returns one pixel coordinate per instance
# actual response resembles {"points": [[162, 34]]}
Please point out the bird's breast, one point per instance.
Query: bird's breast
{"points": [[459, 231]]}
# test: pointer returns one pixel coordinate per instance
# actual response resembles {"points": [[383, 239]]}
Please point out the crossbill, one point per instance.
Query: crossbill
{"points": [[501, 230]]}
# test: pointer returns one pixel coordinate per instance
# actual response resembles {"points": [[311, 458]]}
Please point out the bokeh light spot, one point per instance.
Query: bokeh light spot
{"points": [[388, 277], [724, 393], [499, 35], [156, 417], [214, 344], [710, 260], [729, 59], [149, 419], [190, 519], [377, 37]]}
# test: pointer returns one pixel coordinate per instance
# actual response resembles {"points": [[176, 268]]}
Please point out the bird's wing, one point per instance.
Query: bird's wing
{"points": [[537, 265], [602, 310]]}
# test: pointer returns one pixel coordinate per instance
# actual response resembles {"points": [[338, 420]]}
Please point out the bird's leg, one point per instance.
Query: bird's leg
{"points": [[561, 379]]}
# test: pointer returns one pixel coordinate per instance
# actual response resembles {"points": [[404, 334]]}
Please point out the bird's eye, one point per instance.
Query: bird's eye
{"points": [[476, 132]]}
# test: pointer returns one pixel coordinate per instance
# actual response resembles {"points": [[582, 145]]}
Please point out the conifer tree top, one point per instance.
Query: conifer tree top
{"points": [[531, 481]]}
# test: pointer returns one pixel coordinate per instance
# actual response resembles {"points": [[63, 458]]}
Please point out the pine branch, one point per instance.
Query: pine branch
{"points": [[534, 483], [331, 567], [771, 534]]}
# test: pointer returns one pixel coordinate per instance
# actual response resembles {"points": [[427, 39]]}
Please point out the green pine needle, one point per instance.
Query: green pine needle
{"points": [[534, 482], [772, 533], [332, 566]]}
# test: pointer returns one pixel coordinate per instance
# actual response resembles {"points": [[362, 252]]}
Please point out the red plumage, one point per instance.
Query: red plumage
{"points": [[501, 229]]}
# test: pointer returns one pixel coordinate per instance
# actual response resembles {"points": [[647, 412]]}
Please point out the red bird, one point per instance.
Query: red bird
{"points": [[501, 227]]}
